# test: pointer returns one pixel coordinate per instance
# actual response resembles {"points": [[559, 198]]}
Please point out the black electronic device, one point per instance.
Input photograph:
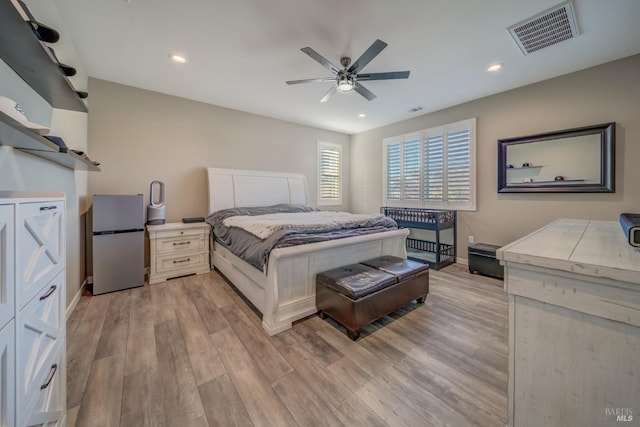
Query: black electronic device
{"points": [[192, 220], [630, 224]]}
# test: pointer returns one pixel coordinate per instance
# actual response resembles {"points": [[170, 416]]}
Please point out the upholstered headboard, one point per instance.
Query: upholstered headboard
{"points": [[230, 188]]}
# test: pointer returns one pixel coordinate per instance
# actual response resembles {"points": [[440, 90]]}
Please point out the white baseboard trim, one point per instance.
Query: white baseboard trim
{"points": [[76, 298]]}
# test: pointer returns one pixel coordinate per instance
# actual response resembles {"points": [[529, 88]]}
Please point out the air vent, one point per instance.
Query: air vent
{"points": [[415, 109], [545, 29]]}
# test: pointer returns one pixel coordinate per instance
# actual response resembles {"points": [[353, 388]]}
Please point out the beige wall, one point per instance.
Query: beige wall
{"points": [[606, 93], [139, 136]]}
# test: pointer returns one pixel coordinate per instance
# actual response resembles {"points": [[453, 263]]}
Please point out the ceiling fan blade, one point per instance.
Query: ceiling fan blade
{"points": [[384, 76], [333, 90], [367, 56], [319, 80], [364, 92], [321, 59]]}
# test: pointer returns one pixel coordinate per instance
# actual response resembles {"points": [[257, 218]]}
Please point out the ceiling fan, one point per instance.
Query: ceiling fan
{"points": [[347, 79]]}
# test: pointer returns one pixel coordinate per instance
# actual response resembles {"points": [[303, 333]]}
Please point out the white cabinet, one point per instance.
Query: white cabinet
{"points": [[33, 279], [7, 375], [178, 249], [574, 325], [7, 301]]}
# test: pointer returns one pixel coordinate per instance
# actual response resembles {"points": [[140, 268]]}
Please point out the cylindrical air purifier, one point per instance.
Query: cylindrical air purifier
{"points": [[155, 210]]}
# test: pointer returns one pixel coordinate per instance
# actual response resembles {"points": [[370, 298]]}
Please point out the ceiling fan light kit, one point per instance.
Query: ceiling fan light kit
{"points": [[345, 83], [346, 79]]}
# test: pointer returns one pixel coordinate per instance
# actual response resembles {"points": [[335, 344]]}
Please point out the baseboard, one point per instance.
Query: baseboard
{"points": [[463, 261], [76, 298]]}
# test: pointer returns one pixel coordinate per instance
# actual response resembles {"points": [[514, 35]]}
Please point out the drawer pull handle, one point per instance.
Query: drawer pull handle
{"points": [[52, 289], [177, 261], [188, 242], [52, 373], [47, 208]]}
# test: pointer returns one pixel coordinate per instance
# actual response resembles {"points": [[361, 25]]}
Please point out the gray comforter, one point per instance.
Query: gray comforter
{"points": [[256, 251]]}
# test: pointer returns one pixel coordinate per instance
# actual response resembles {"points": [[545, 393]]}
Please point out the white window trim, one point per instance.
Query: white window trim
{"points": [[329, 146], [423, 134]]}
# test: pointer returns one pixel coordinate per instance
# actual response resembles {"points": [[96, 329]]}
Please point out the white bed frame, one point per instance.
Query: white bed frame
{"points": [[287, 291]]}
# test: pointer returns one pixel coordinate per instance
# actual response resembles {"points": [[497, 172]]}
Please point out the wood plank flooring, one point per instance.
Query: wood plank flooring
{"points": [[191, 352]]}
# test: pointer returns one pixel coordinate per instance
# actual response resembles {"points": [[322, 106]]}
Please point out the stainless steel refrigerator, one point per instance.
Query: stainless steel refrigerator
{"points": [[115, 256]]}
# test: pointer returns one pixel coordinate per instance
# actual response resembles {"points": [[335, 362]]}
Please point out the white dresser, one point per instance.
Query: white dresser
{"points": [[574, 326], [178, 249], [32, 309]]}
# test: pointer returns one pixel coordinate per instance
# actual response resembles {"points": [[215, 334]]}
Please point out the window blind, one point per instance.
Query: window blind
{"points": [[432, 168], [329, 174]]}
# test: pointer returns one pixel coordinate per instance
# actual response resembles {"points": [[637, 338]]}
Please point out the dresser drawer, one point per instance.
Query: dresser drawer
{"points": [[40, 247], [47, 406], [187, 243], [39, 325], [187, 262]]}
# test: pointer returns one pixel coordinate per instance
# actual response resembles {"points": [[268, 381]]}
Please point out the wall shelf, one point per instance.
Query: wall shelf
{"points": [[13, 134], [28, 57], [522, 168]]}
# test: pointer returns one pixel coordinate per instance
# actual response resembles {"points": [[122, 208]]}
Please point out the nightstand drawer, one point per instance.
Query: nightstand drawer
{"points": [[194, 231], [187, 243], [178, 249], [182, 262]]}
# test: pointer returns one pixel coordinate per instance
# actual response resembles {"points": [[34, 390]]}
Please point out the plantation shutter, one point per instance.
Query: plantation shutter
{"points": [[458, 166], [434, 168], [412, 172], [394, 172], [329, 174]]}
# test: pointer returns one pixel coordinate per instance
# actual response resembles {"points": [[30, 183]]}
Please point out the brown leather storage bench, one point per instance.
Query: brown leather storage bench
{"points": [[358, 294]]}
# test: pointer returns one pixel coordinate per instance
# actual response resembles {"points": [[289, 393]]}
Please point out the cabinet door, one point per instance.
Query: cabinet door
{"points": [[6, 264], [39, 247], [47, 406], [7, 376], [39, 329]]}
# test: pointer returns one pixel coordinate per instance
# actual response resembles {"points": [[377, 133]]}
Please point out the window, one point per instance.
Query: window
{"points": [[433, 168], [329, 174]]}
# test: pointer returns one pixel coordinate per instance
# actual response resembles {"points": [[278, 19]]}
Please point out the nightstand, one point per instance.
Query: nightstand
{"points": [[178, 249]]}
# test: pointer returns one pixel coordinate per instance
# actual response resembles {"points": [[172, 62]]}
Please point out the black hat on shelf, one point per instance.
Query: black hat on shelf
{"points": [[65, 69], [44, 33]]}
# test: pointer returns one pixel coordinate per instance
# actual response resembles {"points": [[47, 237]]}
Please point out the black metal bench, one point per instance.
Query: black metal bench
{"points": [[358, 294]]}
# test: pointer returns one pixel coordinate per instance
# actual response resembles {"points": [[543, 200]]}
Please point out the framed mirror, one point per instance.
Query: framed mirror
{"points": [[579, 160]]}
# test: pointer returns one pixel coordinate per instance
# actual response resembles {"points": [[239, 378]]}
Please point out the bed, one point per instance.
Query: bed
{"points": [[285, 292]]}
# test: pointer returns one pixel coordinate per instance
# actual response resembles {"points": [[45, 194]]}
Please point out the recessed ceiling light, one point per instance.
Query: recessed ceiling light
{"points": [[495, 67], [178, 58], [362, 115]]}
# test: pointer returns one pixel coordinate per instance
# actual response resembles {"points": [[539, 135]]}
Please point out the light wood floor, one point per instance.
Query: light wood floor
{"points": [[190, 352]]}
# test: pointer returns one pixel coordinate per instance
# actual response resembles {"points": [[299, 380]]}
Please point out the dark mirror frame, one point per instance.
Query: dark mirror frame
{"points": [[607, 162]]}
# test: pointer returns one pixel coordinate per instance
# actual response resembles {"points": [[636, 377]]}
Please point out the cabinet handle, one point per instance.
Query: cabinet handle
{"points": [[52, 373], [47, 208], [52, 289], [181, 260], [188, 242]]}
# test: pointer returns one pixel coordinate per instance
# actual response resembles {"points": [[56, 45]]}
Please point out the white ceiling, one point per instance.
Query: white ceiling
{"points": [[241, 52]]}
